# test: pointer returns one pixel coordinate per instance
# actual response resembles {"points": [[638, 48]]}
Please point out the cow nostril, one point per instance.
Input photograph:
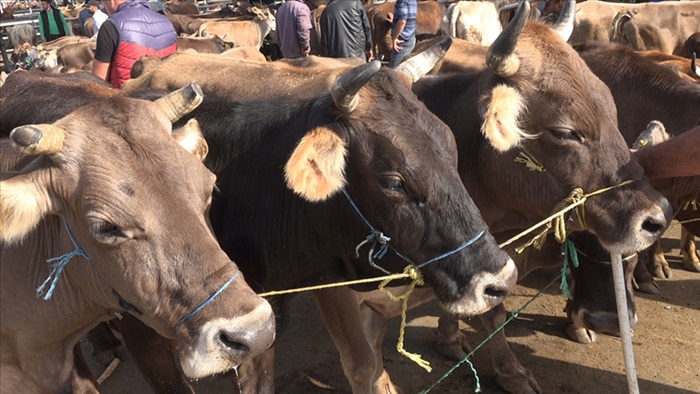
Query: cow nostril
{"points": [[653, 226], [495, 292], [230, 342]]}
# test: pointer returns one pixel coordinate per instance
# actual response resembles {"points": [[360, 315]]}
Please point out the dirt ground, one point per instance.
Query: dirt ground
{"points": [[666, 347]]}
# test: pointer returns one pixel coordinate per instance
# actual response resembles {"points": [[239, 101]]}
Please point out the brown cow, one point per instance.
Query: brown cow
{"points": [[92, 193], [691, 46], [660, 26], [181, 7], [594, 20], [686, 68], [203, 44]]}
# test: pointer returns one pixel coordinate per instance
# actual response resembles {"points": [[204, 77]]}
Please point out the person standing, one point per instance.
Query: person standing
{"points": [[294, 29], [83, 16], [52, 23], [133, 30], [98, 17], [345, 30], [403, 30]]}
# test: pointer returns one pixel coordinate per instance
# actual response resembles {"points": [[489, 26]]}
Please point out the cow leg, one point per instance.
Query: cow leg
{"points": [[510, 374], [360, 355], [105, 345], [689, 252], [153, 356], [644, 280], [452, 343], [82, 380], [657, 261]]}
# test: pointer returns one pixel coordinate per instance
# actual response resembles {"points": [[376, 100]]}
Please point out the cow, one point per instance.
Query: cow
{"points": [[181, 7], [686, 68], [203, 45], [662, 96], [386, 171], [691, 46], [22, 34], [581, 132], [242, 33], [78, 56], [92, 193], [657, 26], [428, 21], [594, 20], [472, 21]]}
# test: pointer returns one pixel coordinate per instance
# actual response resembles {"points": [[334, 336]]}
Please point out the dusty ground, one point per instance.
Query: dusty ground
{"points": [[666, 347]]}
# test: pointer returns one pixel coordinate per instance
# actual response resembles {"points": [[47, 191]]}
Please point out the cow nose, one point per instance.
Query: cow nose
{"points": [[655, 223], [240, 343], [496, 291], [496, 294]]}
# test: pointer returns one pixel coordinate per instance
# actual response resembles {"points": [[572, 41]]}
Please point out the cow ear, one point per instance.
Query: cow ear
{"points": [[23, 203], [501, 118], [191, 139], [316, 169]]}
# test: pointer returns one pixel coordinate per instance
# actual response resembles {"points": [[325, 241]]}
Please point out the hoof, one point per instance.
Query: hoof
{"points": [[580, 334]]}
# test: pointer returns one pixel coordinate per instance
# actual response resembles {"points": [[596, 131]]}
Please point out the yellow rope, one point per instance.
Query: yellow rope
{"points": [[693, 204], [416, 279], [338, 284], [575, 201], [529, 160]]}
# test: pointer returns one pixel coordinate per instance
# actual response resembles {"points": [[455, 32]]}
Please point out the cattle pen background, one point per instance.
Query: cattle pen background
{"points": [[666, 347]]}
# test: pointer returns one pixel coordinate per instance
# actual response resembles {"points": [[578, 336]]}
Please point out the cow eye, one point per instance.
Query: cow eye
{"points": [[107, 232], [392, 183], [566, 134]]}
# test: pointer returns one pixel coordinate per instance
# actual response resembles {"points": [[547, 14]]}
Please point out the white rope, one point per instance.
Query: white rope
{"points": [[623, 319]]}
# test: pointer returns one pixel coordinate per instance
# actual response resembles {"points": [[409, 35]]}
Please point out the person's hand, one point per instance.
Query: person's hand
{"points": [[369, 55], [397, 44]]}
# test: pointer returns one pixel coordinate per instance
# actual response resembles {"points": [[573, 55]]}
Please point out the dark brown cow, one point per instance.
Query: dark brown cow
{"points": [[691, 46], [92, 193], [568, 137], [428, 23], [644, 91]]}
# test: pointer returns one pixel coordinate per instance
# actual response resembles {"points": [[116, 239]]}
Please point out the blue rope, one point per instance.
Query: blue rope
{"points": [[570, 255], [206, 302], [377, 237], [57, 268]]}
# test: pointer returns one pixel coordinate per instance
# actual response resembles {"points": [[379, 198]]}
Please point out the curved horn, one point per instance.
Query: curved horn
{"points": [[39, 139], [346, 87], [565, 23], [500, 57], [416, 67], [181, 102], [694, 65]]}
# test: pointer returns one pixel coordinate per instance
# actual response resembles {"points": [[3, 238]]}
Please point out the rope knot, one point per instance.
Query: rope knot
{"points": [[377, 238]]}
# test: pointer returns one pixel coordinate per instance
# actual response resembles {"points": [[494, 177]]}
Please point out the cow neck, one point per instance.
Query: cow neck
{"points": [[378, 238], [58, 264]]}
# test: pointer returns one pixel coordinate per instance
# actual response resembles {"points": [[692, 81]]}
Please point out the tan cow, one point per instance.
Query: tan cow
{"points": [[657, 26], [90, 224], [594, 20], [242, 33]]}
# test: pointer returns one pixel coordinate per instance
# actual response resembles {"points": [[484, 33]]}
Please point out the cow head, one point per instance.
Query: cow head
{"points": [[135, 201], [540, 89], [396, 163]]}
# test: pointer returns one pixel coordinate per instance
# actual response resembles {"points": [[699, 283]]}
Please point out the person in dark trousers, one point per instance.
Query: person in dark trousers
{"points": [[52, 23], [345, 30], [403, 30], [133, 30], [294, 29]]}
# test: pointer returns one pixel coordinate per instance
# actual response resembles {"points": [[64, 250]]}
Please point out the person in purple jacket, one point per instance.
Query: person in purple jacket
{"points": [[133, 30], [294, 29]]}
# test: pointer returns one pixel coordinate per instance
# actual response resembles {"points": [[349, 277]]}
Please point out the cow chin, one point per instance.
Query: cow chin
{"points": [[485, 291]]}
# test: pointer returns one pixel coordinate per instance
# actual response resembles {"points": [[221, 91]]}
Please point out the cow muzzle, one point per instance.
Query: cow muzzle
{"points": [[224, 343], [485, 291]]}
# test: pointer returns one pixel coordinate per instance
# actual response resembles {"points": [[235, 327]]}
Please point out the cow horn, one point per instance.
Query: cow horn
{"points": [[565, 23], [41, 139], [500, 57], [416, 67], [346, 87], [694, 65], [181, 102]]}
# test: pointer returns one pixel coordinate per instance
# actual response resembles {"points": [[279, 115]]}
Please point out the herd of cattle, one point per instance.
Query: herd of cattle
{"points": [[316, 170]]}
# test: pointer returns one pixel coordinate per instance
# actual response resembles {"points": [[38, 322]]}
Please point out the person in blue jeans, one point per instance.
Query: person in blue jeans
{"points": [[403, 30]]}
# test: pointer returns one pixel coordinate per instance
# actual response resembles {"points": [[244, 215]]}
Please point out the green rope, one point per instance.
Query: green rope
{"points": [[570, 256], [514, 314]]}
